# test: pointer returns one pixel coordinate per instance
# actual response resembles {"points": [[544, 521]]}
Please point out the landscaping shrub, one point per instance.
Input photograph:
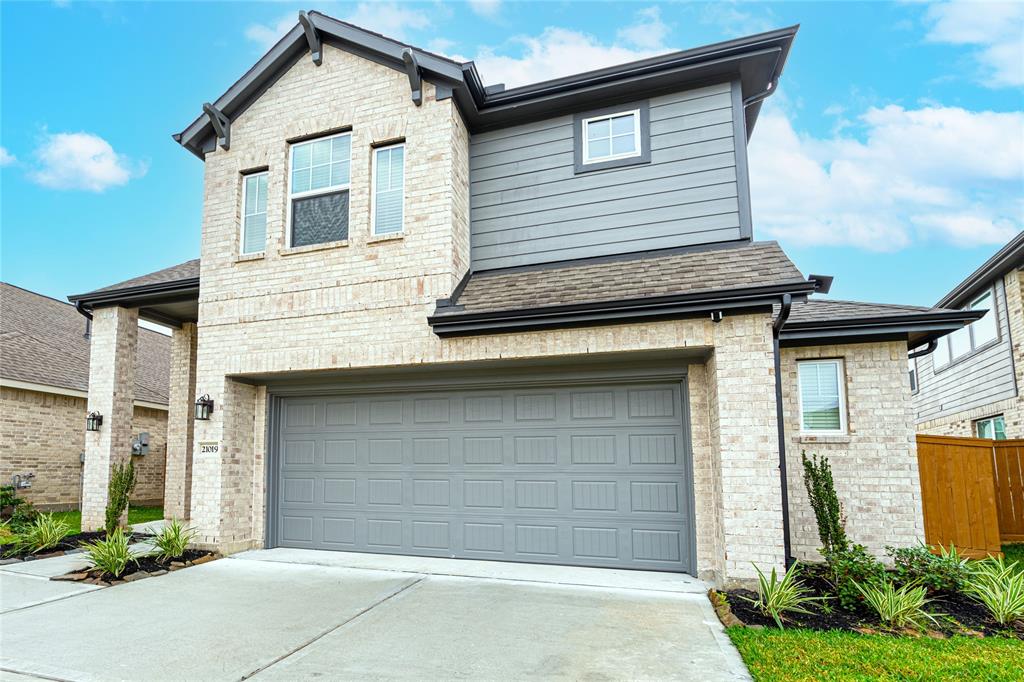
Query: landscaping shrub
{"points": [[851, 567], [111, 554], [898, 607], [122, 484], [946, 572], [776, 597], [42, 534], [999, 587], [172, 540], [828, 512]]}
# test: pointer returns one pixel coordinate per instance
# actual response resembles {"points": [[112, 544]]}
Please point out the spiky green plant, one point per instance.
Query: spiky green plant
{"points": [[777, 597], [999, 587], [112, 554], [898, 607], [172, 540], [44, 533]]}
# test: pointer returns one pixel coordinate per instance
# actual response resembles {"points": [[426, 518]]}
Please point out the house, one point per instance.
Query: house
{"points": [[44, 383], [968, 383], [444, 318]]}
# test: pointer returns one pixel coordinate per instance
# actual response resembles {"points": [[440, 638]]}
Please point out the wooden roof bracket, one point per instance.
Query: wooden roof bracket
{"points": [[315, 46], [221, 125], [412, 67]]}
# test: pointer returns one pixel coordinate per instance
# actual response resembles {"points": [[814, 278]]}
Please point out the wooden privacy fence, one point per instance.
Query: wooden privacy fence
{"points": [[971, 492]]}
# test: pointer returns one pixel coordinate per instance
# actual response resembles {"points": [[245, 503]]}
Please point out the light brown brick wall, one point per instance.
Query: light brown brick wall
{"points": [[875, 465], [45, 433]]}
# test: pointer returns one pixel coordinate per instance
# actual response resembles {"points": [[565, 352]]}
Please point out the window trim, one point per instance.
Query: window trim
{"points": [[634, 114], [289, 197], [840, 365], [241, 232], [993, 290], [642, 133], [373, 189]]}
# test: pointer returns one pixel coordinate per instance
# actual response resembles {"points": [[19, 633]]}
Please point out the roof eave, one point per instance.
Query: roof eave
{"points": [[915, 328], [999, 264]]}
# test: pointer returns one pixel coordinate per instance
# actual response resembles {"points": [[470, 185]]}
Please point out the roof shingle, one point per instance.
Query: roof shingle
{"points": [[42, 341], [176, 273]]}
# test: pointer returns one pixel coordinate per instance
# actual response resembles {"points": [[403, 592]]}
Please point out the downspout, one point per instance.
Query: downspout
{"points": [[927, 350], [88, 318], [787, 302]]}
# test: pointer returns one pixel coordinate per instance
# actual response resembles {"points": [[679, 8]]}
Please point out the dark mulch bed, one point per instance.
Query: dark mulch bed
{"points": [[959, 613], [151, 564], [71, 543]]}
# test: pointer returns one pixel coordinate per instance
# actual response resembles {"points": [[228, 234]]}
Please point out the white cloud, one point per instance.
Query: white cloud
{"points": [[914, 174], [560, 51], [82, 161], [996, 29], [6, 158], [648, 32], [389, 18], [734, 21], [485, 8]]}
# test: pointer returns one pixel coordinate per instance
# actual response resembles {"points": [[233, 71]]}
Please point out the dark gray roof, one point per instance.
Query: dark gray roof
{"points": [[1004, 260], [747, 265], [820, 309], [755, 61], [176, 274], [42, 341]]}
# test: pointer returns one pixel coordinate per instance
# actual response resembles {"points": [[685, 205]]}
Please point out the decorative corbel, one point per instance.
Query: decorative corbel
{"points": [[412, 68], [221, 125], [315, 47]]}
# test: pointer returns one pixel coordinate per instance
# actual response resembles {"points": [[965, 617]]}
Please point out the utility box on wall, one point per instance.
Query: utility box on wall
{"points": [[140, 444]]}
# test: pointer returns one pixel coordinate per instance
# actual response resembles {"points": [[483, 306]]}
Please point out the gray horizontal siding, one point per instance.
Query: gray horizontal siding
{"points": [[528, 205], [975, 381]]}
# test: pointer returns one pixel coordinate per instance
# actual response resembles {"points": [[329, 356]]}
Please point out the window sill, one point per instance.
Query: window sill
{"points": [[378, 238], [246, 257], [834, 438], [295, 250]]}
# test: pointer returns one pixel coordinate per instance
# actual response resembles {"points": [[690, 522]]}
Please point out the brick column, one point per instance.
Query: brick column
{"points": [[115, 333], [180, 418], [741, 374]]}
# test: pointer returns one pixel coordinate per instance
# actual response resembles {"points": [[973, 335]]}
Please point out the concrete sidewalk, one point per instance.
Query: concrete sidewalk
{"points": [[269, 616]]}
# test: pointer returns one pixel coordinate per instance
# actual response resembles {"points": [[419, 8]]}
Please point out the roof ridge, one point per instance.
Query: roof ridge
{"points": [[36, 293]]}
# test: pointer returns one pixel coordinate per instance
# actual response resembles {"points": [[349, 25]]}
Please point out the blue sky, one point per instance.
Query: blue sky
{"points": [[892, 156]]}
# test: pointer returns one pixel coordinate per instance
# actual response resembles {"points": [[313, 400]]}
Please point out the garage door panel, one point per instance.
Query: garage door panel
{"points": [[590, 475]]}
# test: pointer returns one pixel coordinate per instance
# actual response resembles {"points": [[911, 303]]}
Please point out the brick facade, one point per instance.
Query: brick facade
{"points": [[44, 433], [875, 465], [180, 418]]}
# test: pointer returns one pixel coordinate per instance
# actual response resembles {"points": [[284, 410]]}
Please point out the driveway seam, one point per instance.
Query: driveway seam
{"points": [[36, 676], [340, 625]]}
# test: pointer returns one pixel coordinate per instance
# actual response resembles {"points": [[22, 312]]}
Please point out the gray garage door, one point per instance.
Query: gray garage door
{"points": [[584, 475]]}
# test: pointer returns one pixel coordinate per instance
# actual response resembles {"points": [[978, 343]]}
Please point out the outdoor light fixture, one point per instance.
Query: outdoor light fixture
{"points": [[93, 421], [204, 406]]}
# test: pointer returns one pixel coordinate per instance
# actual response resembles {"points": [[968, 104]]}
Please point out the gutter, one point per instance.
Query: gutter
{"points": [[932, 345], [780, 322]]}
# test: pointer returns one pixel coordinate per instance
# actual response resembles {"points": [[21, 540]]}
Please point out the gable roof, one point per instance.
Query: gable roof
{"points": [[169, 296], [673, 283], [1004, 260], [42, 341], [756, 61]]}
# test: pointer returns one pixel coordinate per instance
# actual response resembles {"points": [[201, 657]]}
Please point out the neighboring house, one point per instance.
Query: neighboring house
{"points": [[44, 383], [969, 385], [531, 324]]}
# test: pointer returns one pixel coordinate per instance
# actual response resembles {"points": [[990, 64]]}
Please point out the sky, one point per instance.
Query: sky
{"points": [[891, 156]]}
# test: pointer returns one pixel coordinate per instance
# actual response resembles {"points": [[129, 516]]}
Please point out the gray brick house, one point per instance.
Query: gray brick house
{"points": [[532, 324]]}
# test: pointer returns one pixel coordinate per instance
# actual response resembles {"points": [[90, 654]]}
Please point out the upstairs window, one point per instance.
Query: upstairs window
{"points": [[388, 189], [974, 336], [822, 403], [606, 138], [254, 213], [319, 190]]}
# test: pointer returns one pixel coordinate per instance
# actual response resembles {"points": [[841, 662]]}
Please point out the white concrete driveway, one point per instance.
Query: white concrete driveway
{"points": [[296, 615]]}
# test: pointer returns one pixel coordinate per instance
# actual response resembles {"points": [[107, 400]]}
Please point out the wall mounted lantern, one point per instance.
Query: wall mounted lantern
{"points": [[204, 407], [93, 421]]}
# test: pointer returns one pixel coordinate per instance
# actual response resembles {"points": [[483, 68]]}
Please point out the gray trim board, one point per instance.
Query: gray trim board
{"points": [[739, 127]]}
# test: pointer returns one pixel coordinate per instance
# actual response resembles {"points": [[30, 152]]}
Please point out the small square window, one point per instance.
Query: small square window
{"points": [[606, 138], [318, 192], [822, 399], [992, 427], [254, 213]]}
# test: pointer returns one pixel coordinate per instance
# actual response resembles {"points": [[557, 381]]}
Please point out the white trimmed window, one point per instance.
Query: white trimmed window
{"points": [[974, 336], [318, 190], [984, 330], [388, 189], [822, 399], [254, 213], [992, 427], [616, 136]]}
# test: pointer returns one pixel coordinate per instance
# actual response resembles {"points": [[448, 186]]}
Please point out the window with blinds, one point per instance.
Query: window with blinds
{"points": [[254, 213], [388, 189], [822, 403], [318, 190]]}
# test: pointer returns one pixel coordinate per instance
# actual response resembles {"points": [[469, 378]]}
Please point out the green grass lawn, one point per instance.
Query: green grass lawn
{"points": [[1014, 553], [74, 519], [789, 655]]}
